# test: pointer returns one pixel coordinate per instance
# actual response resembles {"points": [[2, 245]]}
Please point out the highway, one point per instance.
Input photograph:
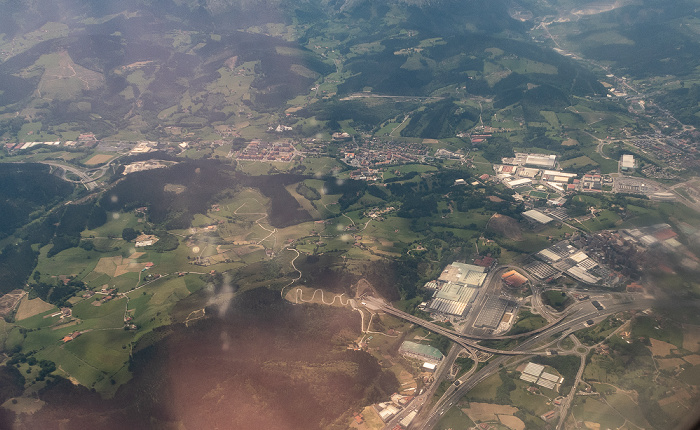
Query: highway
{"points": [[568, 400], [447, 332], [456, 337], [491, 286], [579, 314], [85, 179]]}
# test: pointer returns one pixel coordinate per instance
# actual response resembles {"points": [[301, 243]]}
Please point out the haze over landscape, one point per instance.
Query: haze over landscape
{"points": [[315, 214]]}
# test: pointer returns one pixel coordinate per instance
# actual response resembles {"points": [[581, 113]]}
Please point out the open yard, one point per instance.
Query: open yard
{"points": [[98, 159], [484, 412]]}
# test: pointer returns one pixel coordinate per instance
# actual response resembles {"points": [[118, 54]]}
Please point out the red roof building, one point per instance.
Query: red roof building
{"points": [[514, 279], [484, 261], [665, 234]]}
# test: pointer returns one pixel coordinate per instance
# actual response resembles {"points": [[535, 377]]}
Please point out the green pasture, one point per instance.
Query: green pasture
{"points": [[523, 399], [526, 322], [526, 66], [117, 221], [598, 412], [38, 321], [579, 162], [486, 390], [106, 316], [551, 118], [322, 165], [72, 261], [603, 220], [455, 419], [389, 173], [648, 327]]}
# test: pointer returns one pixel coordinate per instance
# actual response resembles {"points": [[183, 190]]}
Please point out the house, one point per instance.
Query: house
{"points": [[71, 336], [548, 416]]}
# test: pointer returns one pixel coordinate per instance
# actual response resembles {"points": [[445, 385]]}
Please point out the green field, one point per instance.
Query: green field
{"points": [[526, 322], [407, 168], [579, 163], [649, 327], [486, 390], [533, 403], [604, 220], [538, 194], [597, 412], [556, 299]]}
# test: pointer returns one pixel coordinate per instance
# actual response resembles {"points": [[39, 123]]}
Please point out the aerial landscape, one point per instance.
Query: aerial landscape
{"points": [[352, 214]]}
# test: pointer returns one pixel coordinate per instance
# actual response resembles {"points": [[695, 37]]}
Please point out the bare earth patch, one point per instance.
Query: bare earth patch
{"points": [[174, 188], [243, 250], [505, 226], [302, 294], [371, 420], [487, 411], [692, 359], [29, 308], [9, 301], [660, 348], [677, 397], [98, 159], [363, 286], [691, 337], [116, 266], [670, 363], [512, 422], [129, 267], [108, 265]]}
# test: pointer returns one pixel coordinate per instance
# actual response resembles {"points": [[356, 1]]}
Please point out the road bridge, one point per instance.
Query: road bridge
{"points": [[455, 337], [434, 327], [85, 179]]}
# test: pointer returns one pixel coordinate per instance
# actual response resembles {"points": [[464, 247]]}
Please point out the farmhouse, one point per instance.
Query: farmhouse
{"points": [[71, 336], [145, 240]]}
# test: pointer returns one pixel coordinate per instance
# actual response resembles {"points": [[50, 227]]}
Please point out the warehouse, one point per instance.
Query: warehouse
{"points": [[492, 312], [514, 279], [537, 216], [419, 351], [456, 288], [627, 162]]}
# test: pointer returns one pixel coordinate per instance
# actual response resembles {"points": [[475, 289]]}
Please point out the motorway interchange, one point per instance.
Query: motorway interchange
{"points": [[539, 342]]}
